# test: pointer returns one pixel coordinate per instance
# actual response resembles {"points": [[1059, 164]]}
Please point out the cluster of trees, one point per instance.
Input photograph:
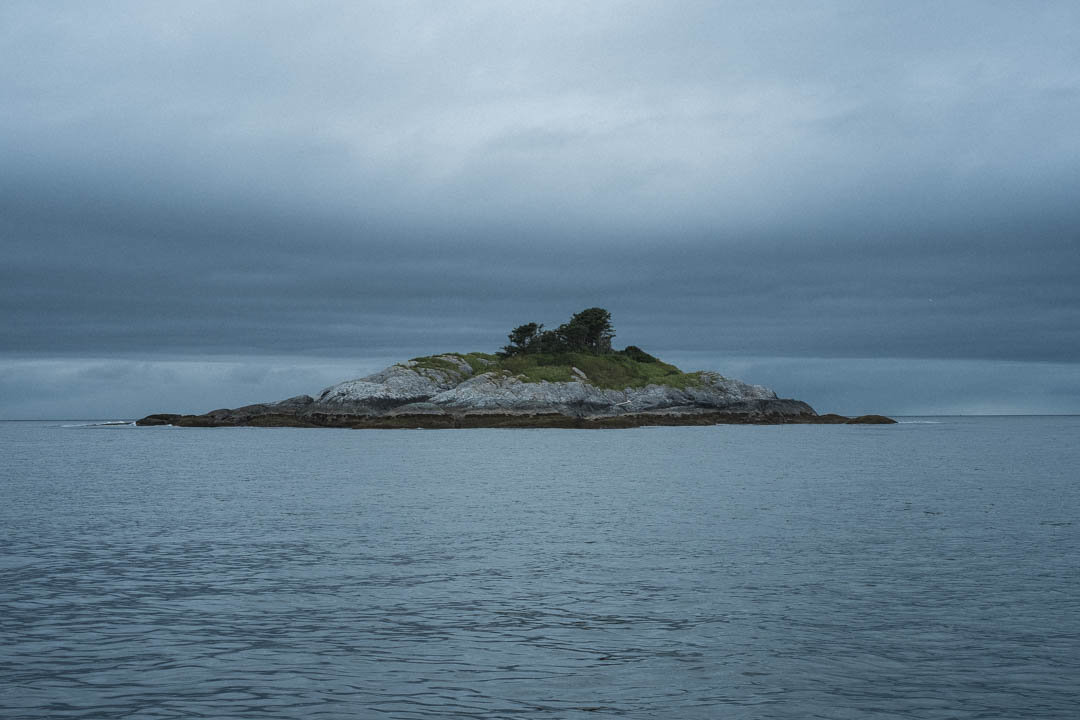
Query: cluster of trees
{"points": [[588, 331]]}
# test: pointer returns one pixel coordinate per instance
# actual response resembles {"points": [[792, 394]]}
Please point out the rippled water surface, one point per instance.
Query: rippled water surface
{"points": [[911, 571]]}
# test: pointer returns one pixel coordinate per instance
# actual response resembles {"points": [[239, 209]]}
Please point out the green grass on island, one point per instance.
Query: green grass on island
{"points": [[538, 355], [614, 370]]}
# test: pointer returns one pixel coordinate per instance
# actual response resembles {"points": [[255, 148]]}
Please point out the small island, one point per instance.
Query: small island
{"points": [[569, 377]]}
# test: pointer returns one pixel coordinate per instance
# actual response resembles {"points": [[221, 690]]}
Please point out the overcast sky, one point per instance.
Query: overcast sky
{"points": [[874, 207]]}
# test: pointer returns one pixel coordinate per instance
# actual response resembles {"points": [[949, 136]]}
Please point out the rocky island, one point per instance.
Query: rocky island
{"points": [[569, 377]]}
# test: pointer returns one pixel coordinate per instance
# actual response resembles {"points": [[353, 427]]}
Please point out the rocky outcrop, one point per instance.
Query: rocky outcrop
{"points": [[446, 391], [393, 387]]}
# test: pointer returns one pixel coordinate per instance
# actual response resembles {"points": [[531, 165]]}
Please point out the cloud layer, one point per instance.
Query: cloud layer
{"points": [[830, 180]]}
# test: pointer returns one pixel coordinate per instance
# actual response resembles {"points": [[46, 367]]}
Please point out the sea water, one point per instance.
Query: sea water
{"points": [[921, 570]]}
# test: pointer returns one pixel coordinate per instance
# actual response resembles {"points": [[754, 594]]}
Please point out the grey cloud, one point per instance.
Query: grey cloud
{"points": [[871, 180]]}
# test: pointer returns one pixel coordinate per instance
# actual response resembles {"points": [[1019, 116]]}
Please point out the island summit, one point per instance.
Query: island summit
{"points": [[569, 377]]}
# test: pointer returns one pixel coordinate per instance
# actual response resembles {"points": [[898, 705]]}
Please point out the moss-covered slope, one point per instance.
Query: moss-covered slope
{"points": [[613, 371]]}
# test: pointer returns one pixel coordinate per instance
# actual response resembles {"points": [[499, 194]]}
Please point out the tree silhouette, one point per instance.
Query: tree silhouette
{"points": [[521, 338], [588, 331]]}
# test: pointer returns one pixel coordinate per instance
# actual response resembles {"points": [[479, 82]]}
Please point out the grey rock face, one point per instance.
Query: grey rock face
{"points": [[497, 393], [294, 403], [409, 388], [448, 390], [394, 386]]}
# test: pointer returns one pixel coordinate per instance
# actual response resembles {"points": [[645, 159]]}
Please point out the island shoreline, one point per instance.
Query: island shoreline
{"points": [[511, 420]]}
